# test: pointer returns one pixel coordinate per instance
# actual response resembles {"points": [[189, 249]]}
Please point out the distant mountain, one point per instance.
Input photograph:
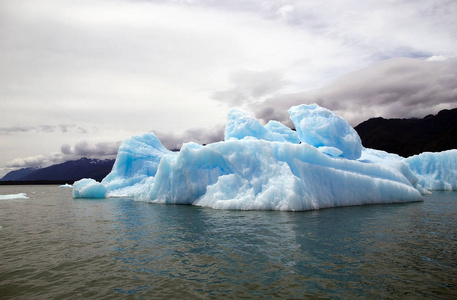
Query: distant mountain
{"points": [[407, 137], [69, 171], [18, 174]]}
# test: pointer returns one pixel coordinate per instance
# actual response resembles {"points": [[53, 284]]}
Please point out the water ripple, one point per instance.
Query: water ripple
{"points": [[52, 246]]}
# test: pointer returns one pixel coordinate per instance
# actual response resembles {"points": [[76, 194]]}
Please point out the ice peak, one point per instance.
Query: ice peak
{"points": [[320, 127]]}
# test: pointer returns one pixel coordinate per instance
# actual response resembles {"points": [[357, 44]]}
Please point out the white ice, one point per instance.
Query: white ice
{"points": [[270, 167], [14, 196], [436, 171], [66, 185]]}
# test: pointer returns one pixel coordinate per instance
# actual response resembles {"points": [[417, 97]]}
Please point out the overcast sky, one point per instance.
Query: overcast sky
{"points": [[77, 77]]}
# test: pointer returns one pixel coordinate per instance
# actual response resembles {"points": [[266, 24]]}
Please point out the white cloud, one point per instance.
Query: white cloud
{"points": [[436, 58], [34, 161]]}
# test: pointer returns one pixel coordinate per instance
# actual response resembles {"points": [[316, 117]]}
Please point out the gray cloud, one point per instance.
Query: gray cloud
{"points": [[66, 149], [64, 128], [402, 87], [97, 150], [198, 135], [103, 150], [16, 129], [251, 86], [34, 161]]}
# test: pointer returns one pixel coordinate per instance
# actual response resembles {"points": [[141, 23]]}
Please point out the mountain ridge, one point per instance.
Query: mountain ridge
{"points": [[406, 137], [69, 171], [18, 174]]}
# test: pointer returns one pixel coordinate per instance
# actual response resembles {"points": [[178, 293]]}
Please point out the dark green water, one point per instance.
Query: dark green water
{"points": [[54, 247]]}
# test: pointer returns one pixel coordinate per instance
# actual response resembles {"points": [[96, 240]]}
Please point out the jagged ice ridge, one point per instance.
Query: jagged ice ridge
{"points": [[321, 164]]}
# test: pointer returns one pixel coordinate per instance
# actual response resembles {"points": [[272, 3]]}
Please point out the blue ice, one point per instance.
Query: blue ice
{"points": [[271, 167]]}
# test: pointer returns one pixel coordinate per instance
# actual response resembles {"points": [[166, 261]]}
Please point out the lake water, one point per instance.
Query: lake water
{"points": [[55, 247]]}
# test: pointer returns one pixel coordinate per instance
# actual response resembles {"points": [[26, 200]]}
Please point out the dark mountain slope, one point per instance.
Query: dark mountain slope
{"points": [[407, 137], [69, 171], [16, 175]]}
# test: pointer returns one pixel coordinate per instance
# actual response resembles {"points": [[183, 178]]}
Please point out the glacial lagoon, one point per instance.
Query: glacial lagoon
{"points": [[54, 246]]}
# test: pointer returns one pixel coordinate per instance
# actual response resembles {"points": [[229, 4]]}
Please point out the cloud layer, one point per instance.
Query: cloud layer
{"points": [[396, 88], [108, 70]]}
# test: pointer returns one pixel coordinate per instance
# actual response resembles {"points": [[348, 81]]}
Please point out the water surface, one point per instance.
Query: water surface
{"points": [[53, 246]]}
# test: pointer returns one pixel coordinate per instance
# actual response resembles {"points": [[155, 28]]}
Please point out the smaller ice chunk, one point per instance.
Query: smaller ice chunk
{"points": [[66, 185], [436, 171], [88, 188], [137, 159], [241, 125], [318, 126], [14, 196], [288, 134]]}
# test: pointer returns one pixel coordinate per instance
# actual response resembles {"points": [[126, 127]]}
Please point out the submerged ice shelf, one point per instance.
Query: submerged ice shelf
{"points": [[321, 164]]}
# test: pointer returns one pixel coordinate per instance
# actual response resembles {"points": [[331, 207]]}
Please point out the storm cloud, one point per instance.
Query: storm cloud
{"points": [[396, 88]]}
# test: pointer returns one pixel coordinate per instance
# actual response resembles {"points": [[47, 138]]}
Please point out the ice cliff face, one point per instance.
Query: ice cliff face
{"points": [[271, 167], [436, 171], [256, 174], [137, 160]]}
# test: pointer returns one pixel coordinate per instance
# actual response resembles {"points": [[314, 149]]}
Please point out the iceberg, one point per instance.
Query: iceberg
{"points": [[322, 164], [256, 174]]}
